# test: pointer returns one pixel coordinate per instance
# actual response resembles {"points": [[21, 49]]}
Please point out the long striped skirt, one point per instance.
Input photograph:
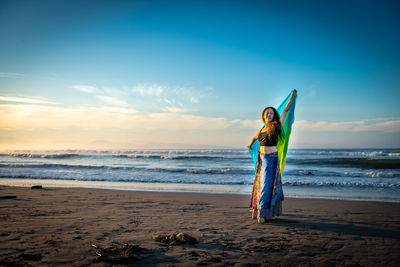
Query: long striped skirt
{"points": [[267, 196]]}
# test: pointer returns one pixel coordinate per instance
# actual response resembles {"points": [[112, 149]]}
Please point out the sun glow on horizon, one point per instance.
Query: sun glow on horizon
{"points": [[36, 126]]}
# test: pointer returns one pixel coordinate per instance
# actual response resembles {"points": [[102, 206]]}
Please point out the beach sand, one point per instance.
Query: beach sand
{"points": [[55, 226]]}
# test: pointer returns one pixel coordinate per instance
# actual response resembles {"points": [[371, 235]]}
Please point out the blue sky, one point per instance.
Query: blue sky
{"points": [[121, 74]]}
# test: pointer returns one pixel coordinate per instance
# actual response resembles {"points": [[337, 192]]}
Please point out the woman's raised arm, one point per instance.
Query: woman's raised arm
{"points": [[288, 106]]}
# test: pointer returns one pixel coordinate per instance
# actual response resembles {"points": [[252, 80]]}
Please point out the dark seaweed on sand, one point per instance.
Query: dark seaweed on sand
{"points": [[176, 239]]}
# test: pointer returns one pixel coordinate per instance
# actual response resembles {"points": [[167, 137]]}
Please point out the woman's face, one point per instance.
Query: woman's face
{"points": [[269, 115]]}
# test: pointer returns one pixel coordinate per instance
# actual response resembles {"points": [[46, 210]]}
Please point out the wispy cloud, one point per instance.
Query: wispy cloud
{"points": [[12, 75], [149, 90], [36, 117], [194, 100], [99, 93], [173, 106], [26, 99], [367, 125], [115, 91], [112, 100], [175, 99], [362, 126], [249, 124], [86, 88], [166, 100], [176, 110], [387, 126], [115, 110], [177, 96]]}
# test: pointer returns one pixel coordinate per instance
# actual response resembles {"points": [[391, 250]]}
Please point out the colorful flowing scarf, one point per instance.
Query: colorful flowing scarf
{"points": [[283, 143]]}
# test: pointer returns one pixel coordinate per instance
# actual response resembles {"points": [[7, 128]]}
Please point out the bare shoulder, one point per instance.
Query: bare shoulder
{"points": [[259, 131]]}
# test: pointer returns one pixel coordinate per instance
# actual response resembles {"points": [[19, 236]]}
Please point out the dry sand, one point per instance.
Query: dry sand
{"points": [[51, 227]]}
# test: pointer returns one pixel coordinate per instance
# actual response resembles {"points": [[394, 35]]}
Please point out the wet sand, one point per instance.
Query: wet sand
{"points": [[57, 227]]}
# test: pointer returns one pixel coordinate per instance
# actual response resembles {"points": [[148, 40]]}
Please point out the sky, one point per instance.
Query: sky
{"points": [[197, 74]]}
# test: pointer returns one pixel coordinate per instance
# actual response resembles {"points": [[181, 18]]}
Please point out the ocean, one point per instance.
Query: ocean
{"points": [[351, 174]]}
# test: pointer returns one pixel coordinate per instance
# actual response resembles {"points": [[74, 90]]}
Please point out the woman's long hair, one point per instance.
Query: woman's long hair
{"points": [[274, 127]]}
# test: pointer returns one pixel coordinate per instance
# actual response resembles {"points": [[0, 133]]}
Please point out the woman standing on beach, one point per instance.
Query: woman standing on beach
{"points": [[267, 195]]}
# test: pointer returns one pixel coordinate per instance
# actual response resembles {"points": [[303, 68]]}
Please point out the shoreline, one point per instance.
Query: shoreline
{"points": [[199, 194], [56, 226], [387, 195]]}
